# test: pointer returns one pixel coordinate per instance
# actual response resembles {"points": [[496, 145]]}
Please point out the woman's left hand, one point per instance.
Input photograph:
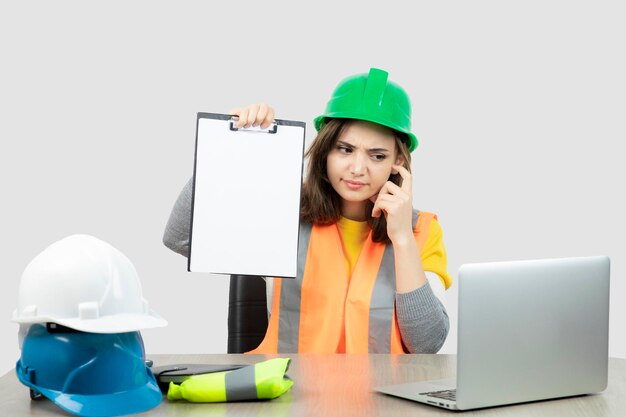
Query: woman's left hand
{"points": [[396, 204]]}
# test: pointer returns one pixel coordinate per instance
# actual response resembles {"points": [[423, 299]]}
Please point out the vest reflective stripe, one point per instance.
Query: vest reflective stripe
{"points": [[421, 227], [326, 302], [289, 321], [240, 385], [396, 338], [382, 303]]}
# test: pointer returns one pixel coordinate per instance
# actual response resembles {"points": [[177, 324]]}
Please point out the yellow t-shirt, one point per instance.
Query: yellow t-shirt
{"points": [[353, 234], [433, 254]]}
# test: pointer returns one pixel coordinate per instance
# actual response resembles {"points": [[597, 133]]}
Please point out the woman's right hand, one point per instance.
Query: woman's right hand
{"points": [[254, 115]]}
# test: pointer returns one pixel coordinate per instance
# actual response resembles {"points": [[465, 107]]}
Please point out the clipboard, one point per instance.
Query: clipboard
{"points": [[246, 197], [178, 373]]}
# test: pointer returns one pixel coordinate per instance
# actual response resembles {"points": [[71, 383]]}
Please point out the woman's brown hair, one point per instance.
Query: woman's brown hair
{"points": [[320, 203]]}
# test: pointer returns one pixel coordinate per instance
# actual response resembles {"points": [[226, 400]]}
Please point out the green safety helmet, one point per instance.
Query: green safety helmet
{"points": [[371, 97]]}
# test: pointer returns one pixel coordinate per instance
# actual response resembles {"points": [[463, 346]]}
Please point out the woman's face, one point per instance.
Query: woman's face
{"points": [[360, 164]]}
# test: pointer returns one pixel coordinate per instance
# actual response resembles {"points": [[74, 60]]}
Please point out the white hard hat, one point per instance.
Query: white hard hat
{"points": [[85, 284]]}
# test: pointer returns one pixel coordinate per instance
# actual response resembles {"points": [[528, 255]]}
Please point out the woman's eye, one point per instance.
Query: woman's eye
{"points": [[379, 157], [344, 149]]}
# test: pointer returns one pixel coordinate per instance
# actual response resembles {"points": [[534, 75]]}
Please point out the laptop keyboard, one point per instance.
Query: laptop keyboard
{"points": [[449, 394]]}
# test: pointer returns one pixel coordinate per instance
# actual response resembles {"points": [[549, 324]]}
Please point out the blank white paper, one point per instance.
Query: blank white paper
{"points": [[246, 202]]}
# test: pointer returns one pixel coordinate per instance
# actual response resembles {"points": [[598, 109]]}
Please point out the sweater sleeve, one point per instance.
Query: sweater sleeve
{"points": [[176, 235], [422, 317], [423, 320]]}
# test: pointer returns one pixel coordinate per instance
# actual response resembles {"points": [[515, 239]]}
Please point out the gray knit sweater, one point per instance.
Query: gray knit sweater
{"points": [[422, 318]]}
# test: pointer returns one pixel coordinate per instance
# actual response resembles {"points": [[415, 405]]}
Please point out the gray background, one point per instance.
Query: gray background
{"points": [[519, 107]]}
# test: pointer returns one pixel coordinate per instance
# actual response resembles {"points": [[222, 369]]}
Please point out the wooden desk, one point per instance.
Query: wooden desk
{"points": [[340, 385]]}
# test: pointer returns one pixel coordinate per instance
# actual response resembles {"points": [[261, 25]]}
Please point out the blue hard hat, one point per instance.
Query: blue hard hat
{"points": [[88, 374]]}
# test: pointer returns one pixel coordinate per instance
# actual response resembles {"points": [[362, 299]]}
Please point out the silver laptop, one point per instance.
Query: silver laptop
{"points": [[527, 331]]}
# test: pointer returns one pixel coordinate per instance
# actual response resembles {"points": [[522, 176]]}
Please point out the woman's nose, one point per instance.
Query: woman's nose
{"points": [[357, 165]]}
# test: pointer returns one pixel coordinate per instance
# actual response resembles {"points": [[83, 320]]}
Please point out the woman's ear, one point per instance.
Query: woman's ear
{"points": [[399, 161]]}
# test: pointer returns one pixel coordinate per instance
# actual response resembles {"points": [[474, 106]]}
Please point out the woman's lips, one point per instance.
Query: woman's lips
{"points": [[354, 185]]}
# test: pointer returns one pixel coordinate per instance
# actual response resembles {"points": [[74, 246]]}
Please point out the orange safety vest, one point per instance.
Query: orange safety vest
{"points": [[308, 312]]}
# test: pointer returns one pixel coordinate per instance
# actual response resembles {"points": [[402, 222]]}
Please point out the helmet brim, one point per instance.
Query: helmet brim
{"points": [[115, 404], [321, 120], [118, 323]]}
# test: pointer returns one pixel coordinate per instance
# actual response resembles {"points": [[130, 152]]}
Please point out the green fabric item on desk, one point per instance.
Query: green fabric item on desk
{"points": [[263, 380]]}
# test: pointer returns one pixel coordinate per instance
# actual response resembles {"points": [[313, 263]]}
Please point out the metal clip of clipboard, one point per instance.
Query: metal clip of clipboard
{"points": [[272, 129]]}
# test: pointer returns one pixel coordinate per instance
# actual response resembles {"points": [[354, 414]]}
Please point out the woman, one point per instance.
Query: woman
{"points": [[363, 285]]}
